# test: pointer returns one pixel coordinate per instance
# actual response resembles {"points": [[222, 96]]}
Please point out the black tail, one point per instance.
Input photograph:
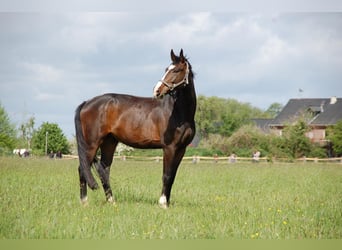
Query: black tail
{"points": [[85, 165]]}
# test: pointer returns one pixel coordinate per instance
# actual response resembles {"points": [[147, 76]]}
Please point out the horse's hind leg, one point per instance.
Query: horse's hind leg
{"points": [[103, 167], [103, 170], [83, 181], [83, 187]]}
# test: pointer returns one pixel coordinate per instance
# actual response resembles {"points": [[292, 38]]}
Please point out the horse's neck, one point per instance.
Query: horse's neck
{"points": [[186, 102]]}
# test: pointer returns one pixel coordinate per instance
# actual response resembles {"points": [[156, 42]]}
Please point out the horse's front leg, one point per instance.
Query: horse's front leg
{"points": [[171, 161]]}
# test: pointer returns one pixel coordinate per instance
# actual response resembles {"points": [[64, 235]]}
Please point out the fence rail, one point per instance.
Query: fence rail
{"points": [[198, 159]]}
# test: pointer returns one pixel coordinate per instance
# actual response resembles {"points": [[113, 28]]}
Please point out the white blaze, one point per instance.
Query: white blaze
{"points": [[155, 89], [159, 83]]}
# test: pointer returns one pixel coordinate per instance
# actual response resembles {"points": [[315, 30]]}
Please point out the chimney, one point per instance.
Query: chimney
{"points": [[333, 100], [322, 106]]}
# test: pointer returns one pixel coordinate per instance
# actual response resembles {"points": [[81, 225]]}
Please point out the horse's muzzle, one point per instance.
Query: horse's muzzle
{"points": [[156, 90]]}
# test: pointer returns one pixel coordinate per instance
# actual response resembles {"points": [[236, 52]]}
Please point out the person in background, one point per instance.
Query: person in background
{"points": [[232, 158], [256, 156]]}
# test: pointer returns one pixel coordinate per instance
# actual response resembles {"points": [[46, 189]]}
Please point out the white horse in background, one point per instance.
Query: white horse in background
{"points": [[22, 152]]}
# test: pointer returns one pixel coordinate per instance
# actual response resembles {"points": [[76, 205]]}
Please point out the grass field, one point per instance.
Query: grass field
{"points": [[40, 199]]}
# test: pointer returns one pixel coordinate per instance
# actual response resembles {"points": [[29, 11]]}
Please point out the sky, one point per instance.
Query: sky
{"points": [[50, 62]]}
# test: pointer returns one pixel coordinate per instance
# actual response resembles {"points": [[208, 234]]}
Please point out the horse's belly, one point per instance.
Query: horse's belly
{"points": [[139, 138], [142, 143]]}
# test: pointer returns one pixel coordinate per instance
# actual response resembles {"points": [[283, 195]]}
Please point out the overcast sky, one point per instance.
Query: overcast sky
{"points": [[51, 62]]}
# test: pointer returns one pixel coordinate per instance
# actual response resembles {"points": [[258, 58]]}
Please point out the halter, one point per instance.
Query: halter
{"points": [[185, 80]]}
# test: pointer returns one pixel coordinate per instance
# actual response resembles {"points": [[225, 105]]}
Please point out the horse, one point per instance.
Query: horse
{"points": [[21, 152], [164, 121]]}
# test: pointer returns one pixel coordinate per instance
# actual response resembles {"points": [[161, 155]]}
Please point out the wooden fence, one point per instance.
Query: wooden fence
{"points": [[228, 160]]}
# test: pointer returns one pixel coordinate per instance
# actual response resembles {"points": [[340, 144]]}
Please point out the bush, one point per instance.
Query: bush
{"points": [[200, 151], [335, 135], [248, 139], [317, 151], [213, 144], [293, 144], [296, 143]]}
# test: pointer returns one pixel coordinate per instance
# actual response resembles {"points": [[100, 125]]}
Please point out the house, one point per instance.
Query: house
{"points": [[319, 113]]}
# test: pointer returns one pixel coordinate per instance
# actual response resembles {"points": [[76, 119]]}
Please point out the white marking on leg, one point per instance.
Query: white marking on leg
{"points": [[111, 200], [84, 201], [163, 201]]}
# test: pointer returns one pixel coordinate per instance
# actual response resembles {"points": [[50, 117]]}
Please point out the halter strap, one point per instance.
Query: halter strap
{"points": [[185, 80]]}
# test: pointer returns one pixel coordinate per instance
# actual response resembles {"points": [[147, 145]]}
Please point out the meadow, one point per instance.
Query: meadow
{"points": [[39, 199]]}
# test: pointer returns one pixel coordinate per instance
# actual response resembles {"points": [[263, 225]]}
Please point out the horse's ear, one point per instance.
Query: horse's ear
{"points": [[181, 56], [173, 56]]}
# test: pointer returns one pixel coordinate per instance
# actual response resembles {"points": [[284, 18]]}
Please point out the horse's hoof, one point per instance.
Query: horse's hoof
{"points": [[84, 201], [111, 201], [163, 202], [163, 206]]}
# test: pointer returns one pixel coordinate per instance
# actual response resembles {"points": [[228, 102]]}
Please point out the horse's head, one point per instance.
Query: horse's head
{"points": [[177, 74]]}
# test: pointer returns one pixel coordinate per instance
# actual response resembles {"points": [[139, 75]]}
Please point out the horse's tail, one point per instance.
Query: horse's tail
{"points": [[85, 164]]}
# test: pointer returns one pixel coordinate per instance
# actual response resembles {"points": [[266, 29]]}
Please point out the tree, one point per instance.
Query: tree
{"points": [[206, 115], [335, 135], [27, 130], [7, 132], [51, 136], [296, 144], [216, 115], [274, 109]]}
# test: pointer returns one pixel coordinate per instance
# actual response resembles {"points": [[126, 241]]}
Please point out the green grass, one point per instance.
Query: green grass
{"points": [[40, 200]]}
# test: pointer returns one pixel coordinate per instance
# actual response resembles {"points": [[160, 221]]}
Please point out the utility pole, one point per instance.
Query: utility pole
{"points": [[46, 141]]}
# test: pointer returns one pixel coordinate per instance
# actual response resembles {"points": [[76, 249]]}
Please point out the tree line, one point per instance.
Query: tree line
{"points": [[48, 137], [223, 126], [221, 116]]}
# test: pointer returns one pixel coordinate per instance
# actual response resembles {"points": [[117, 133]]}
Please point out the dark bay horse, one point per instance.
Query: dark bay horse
{"points": [[165, 121]]}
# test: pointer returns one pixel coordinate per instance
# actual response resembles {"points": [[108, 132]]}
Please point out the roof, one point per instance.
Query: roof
{"points": [[316, 111], [262, 123]]}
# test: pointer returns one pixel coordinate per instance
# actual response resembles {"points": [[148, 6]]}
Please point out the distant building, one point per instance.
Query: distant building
{"points": [[318, 113]]}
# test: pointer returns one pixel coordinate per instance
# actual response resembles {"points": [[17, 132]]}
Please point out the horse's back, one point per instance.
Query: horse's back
{"points": [[136, 121]]}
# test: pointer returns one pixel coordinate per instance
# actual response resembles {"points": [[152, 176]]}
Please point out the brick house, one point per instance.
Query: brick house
{"points": [[319, 113]]}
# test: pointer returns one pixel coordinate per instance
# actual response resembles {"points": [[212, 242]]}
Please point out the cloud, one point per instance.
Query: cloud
{"points": [[42, 72], [82, 32], [182, 31], [48, 97], [54, 61], [88, 32], [273, 50]]}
